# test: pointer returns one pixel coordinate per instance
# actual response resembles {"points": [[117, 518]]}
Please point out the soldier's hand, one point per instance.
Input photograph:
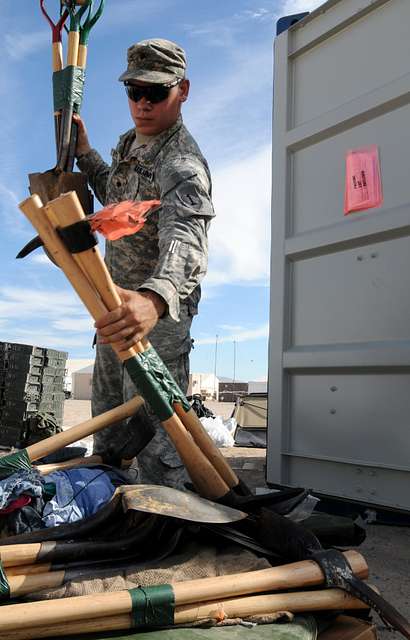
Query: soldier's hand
{"points": [[133, 320], [83, 144]]}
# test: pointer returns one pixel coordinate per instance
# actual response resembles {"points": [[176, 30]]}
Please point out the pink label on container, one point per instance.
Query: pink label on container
{"points": [[363, 180]]}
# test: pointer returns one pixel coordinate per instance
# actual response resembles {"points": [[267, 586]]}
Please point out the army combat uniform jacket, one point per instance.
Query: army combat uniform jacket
{"points": [[168, 256]]}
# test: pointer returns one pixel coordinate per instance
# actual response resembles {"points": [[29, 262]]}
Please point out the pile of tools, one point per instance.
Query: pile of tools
{"points": [[253, 522], [149, 523], [31, 384], [68, 87]]}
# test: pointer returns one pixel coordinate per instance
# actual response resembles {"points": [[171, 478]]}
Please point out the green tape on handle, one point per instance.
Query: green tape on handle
{"points": [[68, 88], [148, 386], [153, 606], [155, 382], [4, 585], [174, 393], [13, 463]]}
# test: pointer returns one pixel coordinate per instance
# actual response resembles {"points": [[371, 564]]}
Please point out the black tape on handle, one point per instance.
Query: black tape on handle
{"points": [[78, 237]]}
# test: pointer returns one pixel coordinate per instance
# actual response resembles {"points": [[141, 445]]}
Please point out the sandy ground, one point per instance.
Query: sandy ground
{"points": [[386, 548]]}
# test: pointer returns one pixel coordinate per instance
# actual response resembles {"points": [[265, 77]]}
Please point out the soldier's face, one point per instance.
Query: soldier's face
{"points": [[150, 119]]}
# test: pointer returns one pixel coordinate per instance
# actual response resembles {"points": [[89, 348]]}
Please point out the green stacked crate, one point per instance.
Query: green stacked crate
{"points": [[52, 397], [31, 382], [21, 368]]}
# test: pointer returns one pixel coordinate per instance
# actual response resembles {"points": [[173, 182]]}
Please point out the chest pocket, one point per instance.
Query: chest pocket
{"points": [[123, 183]]}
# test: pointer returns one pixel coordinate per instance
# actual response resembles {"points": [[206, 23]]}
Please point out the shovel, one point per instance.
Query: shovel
{"points": [[143, 499], [22, 459]]}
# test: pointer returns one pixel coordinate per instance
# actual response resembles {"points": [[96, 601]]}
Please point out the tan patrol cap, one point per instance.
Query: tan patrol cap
{"points": [[156, 61]]}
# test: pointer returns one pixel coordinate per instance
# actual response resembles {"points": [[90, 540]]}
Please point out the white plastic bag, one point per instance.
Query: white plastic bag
{"points": [[218, 431]]}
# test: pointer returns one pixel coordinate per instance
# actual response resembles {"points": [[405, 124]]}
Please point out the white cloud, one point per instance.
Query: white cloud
{"points": [[9, 212], [46, 339], [23, 303], [41, 258], [20, 45], [239, 235], [45, 318], [244, 335], [78, 324]]}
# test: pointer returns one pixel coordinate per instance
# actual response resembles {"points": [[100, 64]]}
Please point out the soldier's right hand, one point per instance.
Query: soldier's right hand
{"points": [[83, 144]]}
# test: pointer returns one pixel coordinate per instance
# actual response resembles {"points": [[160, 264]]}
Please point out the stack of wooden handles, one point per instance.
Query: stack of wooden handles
{"points": [[209, 471], [230, 596]]}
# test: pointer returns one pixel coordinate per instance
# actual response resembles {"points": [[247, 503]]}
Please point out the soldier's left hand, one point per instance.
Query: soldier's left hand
{"points": [[133, 320]]}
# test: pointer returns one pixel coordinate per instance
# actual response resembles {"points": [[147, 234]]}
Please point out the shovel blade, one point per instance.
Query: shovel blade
{"points": [[50, 185], [185, 505]]}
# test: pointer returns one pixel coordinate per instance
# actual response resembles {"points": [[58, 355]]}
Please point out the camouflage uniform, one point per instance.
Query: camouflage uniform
{"points": [[168, 256]]}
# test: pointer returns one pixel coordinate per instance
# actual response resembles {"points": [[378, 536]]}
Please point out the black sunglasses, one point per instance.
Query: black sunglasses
{"points": [[153, 93]]}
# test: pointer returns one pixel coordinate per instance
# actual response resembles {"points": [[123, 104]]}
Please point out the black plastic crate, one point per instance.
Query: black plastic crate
{"points": [[51, 387], [48, 380], [11, 408], [54, 371], [21, 359], [14, 347], [55, 362], [23, 369], [9, 377], [19, 387], [12, 435], [10, 396], [53, 353]]}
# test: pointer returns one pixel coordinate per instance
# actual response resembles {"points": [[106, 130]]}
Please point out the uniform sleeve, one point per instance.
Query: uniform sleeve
{"points": [[183, 223], [97, 171]]}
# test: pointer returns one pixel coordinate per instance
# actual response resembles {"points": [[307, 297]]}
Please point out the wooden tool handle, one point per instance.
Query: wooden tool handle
{"points": [[57, 56], [29, 569], [329, 599], [109, 623], [15, 555], [306, 573], [73, 44], [87, 428], [22, 585], [192, 423], [49, 618], [82, 56], [32, 209], [46, 469], [203, 474], [66, 210]]}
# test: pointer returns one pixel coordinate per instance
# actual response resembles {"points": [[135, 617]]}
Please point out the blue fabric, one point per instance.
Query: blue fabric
{"points": [[79, 494], [62, 508], [27, 481], [92, 489]]}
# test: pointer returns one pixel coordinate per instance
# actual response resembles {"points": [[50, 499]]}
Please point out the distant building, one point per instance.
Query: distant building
{"points": [[82, 383], [206, 384], [73, 365], [229, 390], [258, 386]]}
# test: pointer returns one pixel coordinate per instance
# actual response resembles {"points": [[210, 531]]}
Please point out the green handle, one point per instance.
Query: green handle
{"points": [[90, 22]]}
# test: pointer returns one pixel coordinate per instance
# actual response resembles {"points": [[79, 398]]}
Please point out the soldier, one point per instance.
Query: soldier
{"points": [[159, 269]]}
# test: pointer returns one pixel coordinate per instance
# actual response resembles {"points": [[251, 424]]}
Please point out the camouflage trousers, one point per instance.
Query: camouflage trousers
{"points": [[158, 462]]}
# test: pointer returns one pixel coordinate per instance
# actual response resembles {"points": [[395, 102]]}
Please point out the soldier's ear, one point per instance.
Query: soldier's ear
{"points": [[183, 89]]}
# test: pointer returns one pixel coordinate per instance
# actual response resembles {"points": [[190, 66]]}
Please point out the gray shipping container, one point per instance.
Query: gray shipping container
{"points": [[339, 352]]}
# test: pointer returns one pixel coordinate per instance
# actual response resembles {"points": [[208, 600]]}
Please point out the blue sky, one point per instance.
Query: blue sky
{"points": [[229, 46]]}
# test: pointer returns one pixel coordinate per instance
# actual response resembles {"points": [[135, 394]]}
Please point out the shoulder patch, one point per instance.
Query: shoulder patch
{"points": [[188, 194]]}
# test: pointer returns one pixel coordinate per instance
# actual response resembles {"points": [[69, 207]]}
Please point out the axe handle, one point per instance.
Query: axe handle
{"points": [[45, 469], [87, 428], [192, 423], [68, 210], [205, 477], [49, 618]]}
